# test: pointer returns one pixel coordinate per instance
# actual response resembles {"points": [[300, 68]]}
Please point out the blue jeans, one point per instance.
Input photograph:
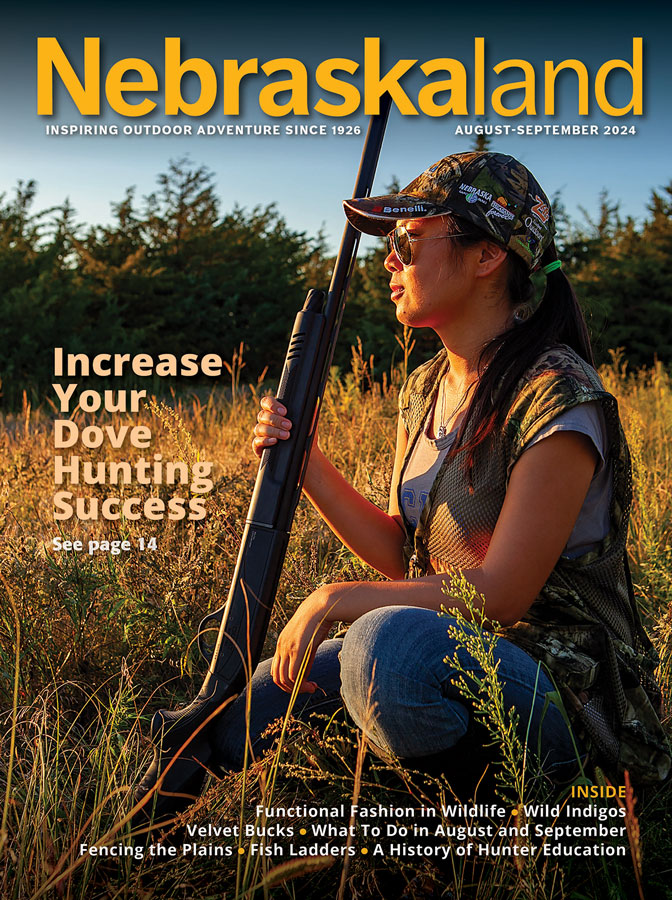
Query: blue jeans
{"points": [[390, 672]]}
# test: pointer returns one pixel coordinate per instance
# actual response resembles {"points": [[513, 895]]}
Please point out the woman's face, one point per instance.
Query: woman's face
{"points": [[436, 287]]}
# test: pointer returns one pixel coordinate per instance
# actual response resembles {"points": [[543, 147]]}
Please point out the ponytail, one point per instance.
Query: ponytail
{"points": [[559, 315]]}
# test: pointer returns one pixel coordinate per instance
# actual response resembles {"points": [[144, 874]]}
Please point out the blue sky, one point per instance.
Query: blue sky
{"points": [[308, 176]]}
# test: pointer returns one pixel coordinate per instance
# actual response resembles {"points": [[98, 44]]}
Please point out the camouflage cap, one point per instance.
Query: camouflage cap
{"points": [[494, 191]]}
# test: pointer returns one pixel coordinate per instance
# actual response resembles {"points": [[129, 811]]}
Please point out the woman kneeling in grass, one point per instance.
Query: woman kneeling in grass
{"points": [[511, 469]]}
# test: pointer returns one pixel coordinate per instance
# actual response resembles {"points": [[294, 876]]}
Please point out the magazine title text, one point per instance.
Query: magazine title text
{"points": [[133, 87]]}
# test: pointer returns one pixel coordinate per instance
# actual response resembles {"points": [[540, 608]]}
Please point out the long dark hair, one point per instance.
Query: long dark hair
{"points": [[557, 319]]}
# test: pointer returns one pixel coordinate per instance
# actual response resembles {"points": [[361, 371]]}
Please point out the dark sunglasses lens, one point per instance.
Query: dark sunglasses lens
{"points": [[402, 245]]}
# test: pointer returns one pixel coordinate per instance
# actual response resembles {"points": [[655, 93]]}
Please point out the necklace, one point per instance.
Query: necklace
{"points": [[442, 430]]}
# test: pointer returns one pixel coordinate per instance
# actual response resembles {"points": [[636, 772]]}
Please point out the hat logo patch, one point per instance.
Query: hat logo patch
{"points": [[533, 227], [404, 209], [498, 212], [472, 194], [541, 210]]}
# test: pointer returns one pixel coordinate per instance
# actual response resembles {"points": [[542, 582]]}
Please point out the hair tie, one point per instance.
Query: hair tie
{"points": [[551, 267]]}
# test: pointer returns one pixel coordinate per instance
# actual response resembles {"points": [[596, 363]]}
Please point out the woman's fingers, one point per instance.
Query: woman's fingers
{"points": [[280, 672], [266, 420], [272, 412], [297, 644], [260, 444], [286, 666], [285, 674], [267, 436], [273, 405], [262, 429], [271, 426]]}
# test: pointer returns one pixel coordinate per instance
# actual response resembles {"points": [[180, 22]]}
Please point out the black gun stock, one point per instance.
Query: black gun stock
{"points": [[180, 754]]}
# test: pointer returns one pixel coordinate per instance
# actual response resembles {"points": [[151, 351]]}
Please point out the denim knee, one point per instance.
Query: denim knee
{"points": [[401, 689], [358, 661], [396, 687]]}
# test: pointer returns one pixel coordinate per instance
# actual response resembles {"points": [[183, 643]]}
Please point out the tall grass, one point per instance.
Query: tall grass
{"points": [[91, 645]]}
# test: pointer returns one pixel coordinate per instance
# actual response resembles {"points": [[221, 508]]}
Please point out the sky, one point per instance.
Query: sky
{"points": [[307, 177]]}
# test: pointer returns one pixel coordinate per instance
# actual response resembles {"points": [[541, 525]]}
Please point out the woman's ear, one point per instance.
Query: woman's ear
{"points": [[490, 259]]}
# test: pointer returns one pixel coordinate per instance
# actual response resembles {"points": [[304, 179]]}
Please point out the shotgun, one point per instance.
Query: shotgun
{"points": [[180, 754]]}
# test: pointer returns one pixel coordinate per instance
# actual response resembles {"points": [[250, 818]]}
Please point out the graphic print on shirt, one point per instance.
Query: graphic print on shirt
{"points": [[413, 504]]}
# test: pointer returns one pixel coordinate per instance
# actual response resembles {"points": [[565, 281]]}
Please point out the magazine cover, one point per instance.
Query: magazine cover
{"points": [[336, 529]]}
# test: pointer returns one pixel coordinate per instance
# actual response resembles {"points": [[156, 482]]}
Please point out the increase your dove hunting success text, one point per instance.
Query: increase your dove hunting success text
{"points": [[153, 471]]}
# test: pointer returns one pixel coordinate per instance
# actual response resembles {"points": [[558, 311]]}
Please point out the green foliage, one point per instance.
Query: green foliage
{"points": [[475, 634], [41, 293], [185, 279], [172, 273], [622, 273]]}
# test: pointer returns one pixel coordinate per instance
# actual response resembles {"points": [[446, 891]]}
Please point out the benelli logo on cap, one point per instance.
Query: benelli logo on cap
{"points": [[405, 209]]}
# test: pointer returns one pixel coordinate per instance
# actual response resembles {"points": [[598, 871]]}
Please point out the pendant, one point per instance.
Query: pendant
{"points": [[441, 433]]}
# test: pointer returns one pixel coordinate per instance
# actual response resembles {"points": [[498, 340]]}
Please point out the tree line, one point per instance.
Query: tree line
{"points": [[173, 273]]}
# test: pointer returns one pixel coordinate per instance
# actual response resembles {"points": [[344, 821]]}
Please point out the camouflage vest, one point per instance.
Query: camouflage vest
{"points": [[584, 625]]}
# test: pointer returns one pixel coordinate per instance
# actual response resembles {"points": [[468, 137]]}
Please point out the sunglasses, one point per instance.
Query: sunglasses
{"points": [[400, 241]]}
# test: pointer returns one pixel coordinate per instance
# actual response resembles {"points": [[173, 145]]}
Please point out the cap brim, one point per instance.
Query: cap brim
{"points": [[377, 215]]}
